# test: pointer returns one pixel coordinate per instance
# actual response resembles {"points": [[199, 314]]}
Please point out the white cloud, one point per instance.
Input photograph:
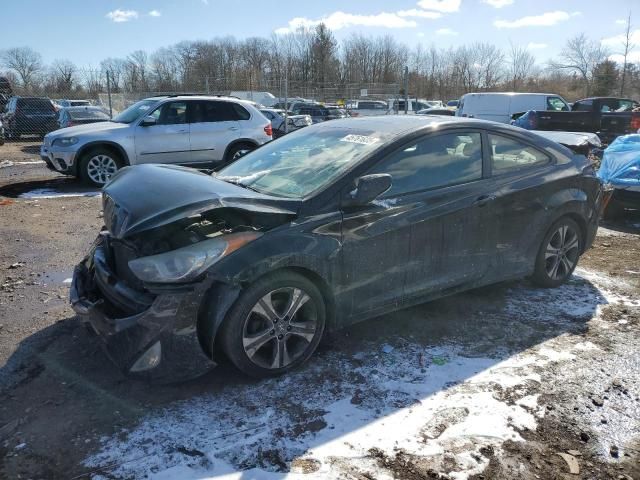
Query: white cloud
{"points": [[155, 13], [444, 6], [498, 3], [619, 40], [547, 19], [536, 46], [340, 20], [120, 16], [633, 57], [446, 31], [414, 12]]}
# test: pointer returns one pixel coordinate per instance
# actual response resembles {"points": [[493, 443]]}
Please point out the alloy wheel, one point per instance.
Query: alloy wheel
{"points": [[279, 328], [100, 168], [562, 252]]}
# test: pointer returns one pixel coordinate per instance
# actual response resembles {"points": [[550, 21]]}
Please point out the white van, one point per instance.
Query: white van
{"points": [[500, 106], [263, 98]]}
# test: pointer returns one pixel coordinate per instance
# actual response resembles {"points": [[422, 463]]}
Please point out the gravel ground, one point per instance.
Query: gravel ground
{"points": [[495, 383]]}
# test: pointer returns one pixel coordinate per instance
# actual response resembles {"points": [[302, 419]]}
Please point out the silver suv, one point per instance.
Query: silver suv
{"points": [[198, 131]]}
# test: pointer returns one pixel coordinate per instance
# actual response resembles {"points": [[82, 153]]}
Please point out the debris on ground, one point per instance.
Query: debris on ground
{"points": [[572, 463]]}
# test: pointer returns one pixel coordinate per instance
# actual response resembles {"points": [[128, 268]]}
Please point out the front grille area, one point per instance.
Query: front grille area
{"points": [[119, 256]]}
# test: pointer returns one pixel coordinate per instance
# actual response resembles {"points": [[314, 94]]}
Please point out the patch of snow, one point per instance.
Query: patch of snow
{"points": [[44, 193], [385, 203]]}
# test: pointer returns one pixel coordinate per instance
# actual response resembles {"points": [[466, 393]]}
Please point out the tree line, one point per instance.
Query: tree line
{"points": [[312, 63]]}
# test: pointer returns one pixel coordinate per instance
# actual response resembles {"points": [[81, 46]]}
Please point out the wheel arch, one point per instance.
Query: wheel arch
{"points": [[101, 144], [239, 141], [223, 296]]}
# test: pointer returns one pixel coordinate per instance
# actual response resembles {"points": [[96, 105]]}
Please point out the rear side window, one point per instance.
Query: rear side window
{"points": [[36, 104], [438, 161], [557, 104], [508, 154], [583, 106], [218, 112]]}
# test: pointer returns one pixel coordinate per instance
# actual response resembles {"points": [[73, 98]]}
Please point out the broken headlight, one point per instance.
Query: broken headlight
{"points": [[186, 263]]}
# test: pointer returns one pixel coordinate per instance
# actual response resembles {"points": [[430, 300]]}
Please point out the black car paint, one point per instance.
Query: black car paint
{"points": [[366, 260]]}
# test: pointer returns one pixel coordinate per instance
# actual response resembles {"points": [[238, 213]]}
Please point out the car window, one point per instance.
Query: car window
{"points": [[171, 113], [268, 114], [205, 112], [583, 106], [624, 106], [446, 159], [508, 154], [36, 104], [557, 104]]}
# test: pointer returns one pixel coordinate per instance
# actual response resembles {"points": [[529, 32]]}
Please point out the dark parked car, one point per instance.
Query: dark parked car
{"points": [[330, 225], [318, 113], [29, 116], [609, 117], [72, 116]]}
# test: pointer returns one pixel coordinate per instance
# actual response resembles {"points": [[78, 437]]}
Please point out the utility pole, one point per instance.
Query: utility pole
{"points": [[286, 93], [406, 90], [109, 94]]}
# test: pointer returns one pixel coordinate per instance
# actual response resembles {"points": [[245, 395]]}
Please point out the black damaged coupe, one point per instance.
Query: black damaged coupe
{"points": [[330, 225]]}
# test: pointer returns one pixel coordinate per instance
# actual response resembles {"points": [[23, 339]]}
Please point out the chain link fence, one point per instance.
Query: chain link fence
{"points": [[92, 95]]}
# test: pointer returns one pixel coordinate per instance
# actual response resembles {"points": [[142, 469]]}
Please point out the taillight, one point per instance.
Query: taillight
{"points": [[635, 121], [268, 130]]}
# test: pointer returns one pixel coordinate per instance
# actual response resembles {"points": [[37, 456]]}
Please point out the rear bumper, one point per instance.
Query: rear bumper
{"points": [[158, 342]]}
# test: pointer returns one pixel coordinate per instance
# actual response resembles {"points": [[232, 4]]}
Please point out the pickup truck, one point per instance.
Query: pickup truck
{"points": [[608, 117]]}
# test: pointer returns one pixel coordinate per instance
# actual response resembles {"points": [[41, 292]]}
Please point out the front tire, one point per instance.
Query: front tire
{"points": [[558, 254], [98, 165], [275, 325]]}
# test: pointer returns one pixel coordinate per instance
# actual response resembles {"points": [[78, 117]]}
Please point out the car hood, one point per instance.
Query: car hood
{"points": [[143, 197], [87, 128]]}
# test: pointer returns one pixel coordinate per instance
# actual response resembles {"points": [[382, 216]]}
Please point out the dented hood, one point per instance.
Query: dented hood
{"points": [[149, 196]]}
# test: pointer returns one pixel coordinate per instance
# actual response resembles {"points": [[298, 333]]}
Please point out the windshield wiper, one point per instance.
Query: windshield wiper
{"points": [[238, 183]]}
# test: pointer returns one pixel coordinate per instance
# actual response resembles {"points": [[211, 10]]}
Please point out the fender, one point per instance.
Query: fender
{"points": [[100, 143]]}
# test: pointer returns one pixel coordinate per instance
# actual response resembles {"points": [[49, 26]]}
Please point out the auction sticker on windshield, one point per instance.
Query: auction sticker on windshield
{"points": [[361, 139]]}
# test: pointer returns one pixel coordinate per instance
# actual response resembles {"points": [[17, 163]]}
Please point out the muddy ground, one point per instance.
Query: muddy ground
{"points": [[494, 383]]}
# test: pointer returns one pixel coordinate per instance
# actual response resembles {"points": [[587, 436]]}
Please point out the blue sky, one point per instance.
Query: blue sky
{"points": [[87, 31]]}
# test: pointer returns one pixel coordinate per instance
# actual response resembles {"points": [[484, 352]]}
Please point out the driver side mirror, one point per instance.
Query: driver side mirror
{"points": [[368, 188], [148, 121]]}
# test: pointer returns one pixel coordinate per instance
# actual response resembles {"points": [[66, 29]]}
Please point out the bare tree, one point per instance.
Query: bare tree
{"points": [[63, 75], [581, 55], [26, 62], [628, 48], [520, 66]]}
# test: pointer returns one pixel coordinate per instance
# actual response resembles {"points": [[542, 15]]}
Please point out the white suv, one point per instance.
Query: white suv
{"points": [[198, 131]]}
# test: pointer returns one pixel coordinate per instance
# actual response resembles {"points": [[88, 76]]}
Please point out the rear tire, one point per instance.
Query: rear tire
{"points": [[558, 254], [98, 165], [237, 151], [275, 325]]}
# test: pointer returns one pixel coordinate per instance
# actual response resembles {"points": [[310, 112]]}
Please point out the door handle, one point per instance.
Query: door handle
{"points": [[482, 200], [233, 128]]}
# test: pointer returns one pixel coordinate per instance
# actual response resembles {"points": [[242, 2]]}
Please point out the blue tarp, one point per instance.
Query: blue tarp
{"points": [[621, 162]]}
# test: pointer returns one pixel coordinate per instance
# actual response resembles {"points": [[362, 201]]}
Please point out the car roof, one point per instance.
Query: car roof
{"points": [[82, 108], [399, 124], [512, 94]]}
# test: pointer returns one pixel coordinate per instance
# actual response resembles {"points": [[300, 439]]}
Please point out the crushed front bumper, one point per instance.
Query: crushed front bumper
{"points": [[159, 341]]}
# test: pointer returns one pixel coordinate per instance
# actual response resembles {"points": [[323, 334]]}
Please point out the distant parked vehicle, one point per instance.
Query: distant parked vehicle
{"points": [[413, 105], [436, 111], [336, 112], [72, 116], [499, 107], [294, 122], [197, 131], [317, 112], [264, 98], [453, 104], [73, 103], [367, 108], [29, 116], [608, 117]]}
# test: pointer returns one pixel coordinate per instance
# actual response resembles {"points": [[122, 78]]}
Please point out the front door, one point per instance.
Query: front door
{"points": [[168, 140], [446, 205]]}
